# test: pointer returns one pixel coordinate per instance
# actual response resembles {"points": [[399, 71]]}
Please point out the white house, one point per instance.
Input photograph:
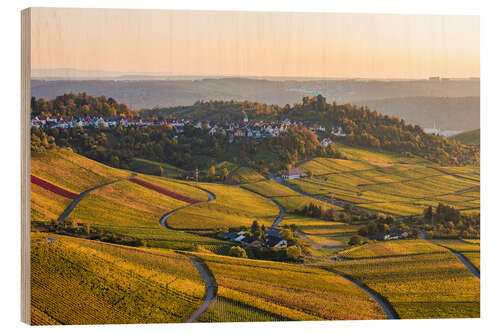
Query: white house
{"points": [[293, 174], [326, 142]]}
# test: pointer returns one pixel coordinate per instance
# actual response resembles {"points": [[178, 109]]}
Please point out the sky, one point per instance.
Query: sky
{"points": [[324, 45]]}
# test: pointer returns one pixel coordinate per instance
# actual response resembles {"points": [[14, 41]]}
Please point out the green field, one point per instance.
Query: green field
{"points": [[251, 290], [391, 184], [233, 207], [77, 281], [417, 281]]}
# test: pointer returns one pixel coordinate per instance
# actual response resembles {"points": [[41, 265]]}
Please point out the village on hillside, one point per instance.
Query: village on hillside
{"points": [[230, 129]]}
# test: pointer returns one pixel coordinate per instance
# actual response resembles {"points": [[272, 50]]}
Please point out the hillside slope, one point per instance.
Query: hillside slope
{"points": [[76, 281], [468, 138]]}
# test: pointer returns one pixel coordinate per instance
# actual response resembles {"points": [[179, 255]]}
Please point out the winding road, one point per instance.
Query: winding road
{"points": [[384, 304], [282, 213], [163, 219], [210, 289], [82, 195], [459, 256], [208, 277]]}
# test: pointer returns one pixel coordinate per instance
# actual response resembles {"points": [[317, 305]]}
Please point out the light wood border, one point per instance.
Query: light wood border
{"points": [[25, 165]]}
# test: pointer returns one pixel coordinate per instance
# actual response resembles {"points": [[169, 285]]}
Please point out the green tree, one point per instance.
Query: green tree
{"points": [[356, 240], [225, 174], [293, 252], [237, 251]]}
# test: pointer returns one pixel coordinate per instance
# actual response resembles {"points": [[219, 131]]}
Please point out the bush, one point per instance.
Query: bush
{"points": [[237, 251], [356, 240], [293, 252]]}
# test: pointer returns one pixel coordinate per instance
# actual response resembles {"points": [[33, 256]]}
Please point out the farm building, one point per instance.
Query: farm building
{"points": [[293, 174], [275, 242]]}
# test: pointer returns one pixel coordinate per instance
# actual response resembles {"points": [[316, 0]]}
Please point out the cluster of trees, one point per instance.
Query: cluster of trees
{"points": [[293, 252], [217, 110], [383, 224], [363, 127], [298, 143], [41, 142], [117, 146], [316, 211], [194, 148], [70, 228], [368, 128], [80, 105], [447, 222]]}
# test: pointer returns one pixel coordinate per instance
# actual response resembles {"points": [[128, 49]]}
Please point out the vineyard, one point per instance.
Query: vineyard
{"points": [[76, 281], [251, 290], [164, 191], [73, 172], [391, 249], [247, 175], [45, 205], [401, 186], [233, 207], [129, 209], [470, 249], [83, 281], [418, 284], [52, 188], [286, 197]]}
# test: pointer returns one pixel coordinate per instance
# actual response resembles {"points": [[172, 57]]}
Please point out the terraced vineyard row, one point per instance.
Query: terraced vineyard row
{"points": [[233, 207], [419, 281], [260, 290], [78, 281], [132, 210], [391, 184]]}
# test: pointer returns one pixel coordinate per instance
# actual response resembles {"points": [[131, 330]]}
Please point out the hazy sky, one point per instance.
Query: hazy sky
{"points": [[256, 43]]}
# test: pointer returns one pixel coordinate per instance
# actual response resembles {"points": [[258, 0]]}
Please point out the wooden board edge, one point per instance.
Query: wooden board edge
{"points": [[25, 165]]}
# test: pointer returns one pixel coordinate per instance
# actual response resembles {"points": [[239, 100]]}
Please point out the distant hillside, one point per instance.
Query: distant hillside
{"points": [[139, 94], [469, 138], [361, 126], [450, 113]]}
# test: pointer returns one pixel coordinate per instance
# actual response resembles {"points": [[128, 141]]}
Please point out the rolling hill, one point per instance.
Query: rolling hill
{"points": [[468, 138]]}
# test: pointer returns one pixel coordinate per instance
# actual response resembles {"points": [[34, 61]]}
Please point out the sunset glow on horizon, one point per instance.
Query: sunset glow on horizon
{"points": [[326, 45]]}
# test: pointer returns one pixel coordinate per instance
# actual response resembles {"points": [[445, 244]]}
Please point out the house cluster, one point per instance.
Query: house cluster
{"points": [[272, 239], [89, 121], [390, 235], [241, 129], [231, 129]]}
